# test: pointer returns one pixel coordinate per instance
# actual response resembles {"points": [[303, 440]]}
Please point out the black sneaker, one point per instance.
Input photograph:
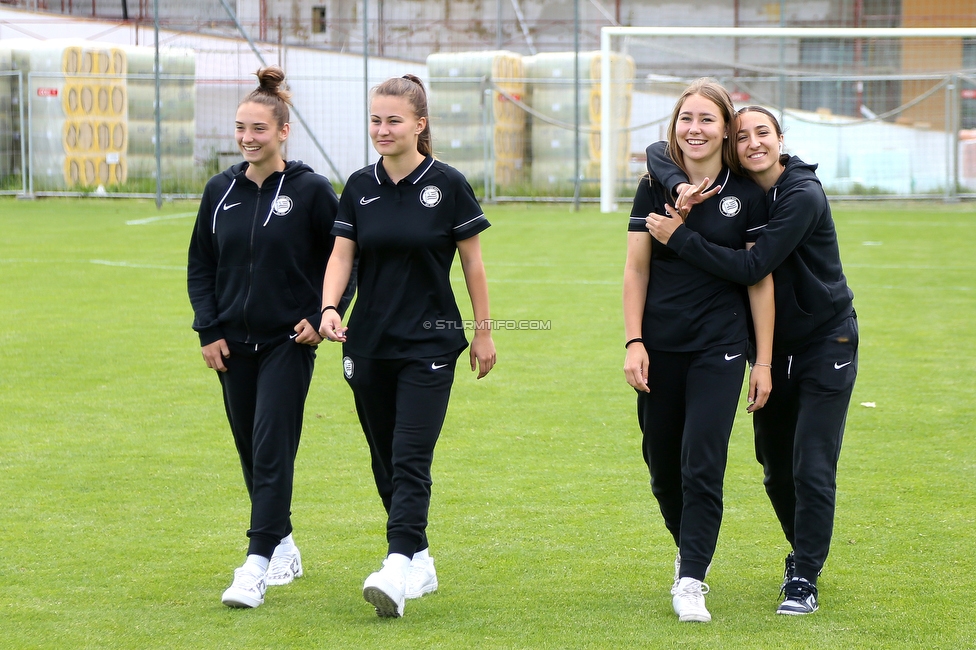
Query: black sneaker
{"points": [[789, 570], [801, 597]]}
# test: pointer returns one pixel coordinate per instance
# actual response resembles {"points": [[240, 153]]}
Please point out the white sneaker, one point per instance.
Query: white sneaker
{"points": [[421, 578], [285, 566], [247, 589], [689, 600], [385, 589]]}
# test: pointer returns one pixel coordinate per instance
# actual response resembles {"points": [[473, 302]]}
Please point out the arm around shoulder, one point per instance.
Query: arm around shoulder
{"points": [[662, 168]]}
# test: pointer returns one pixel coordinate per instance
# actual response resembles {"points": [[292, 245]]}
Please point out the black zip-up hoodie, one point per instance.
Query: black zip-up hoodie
{"points": [[798, 246], [258, 254]]}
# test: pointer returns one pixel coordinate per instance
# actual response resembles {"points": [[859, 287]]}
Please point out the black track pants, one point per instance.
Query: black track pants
{"points": [[401, 405], [264, 396], [686, 420], [798, 440]]}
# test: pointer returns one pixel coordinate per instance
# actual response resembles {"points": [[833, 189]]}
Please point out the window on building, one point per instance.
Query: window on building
{"points": [[318, 20], [968, 87]]}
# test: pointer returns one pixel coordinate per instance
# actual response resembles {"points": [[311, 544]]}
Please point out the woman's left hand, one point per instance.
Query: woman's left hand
{"points": [[760, 385], [660, 227], [482, 354], [306, 334]]}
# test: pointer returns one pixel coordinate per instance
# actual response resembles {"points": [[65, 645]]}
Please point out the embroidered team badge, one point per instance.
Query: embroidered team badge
{"points": [[348, 367], [430, 196], [730, 206], [282, 206]]}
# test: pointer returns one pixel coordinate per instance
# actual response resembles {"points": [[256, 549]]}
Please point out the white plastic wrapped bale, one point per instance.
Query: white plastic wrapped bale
{"points": [[556, 102], [459, 112], [178, 99], [176, 138], [174, 167], [8, 155]]}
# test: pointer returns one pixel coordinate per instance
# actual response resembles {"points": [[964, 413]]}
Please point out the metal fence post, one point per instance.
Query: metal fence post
{"points": [[955, 125], [30, 136], [22, 93], [486, 128]]}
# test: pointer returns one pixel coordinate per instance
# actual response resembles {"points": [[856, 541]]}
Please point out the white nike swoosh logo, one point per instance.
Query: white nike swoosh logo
{"points": [[293, 336], [365, 201], [838, 366], [434, 366], [734, 356], [232, 205]]}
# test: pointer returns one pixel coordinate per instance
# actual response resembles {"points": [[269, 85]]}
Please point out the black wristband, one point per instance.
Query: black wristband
{"points": [[328, 307], [637, 340]]}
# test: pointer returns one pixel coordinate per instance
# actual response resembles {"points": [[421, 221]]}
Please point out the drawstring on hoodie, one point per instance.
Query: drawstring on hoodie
{"points": [[789, 365], [213, 226], [274, 200]]}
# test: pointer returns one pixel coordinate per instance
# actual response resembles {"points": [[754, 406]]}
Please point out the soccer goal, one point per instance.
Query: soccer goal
{"points": [[884, 112]]}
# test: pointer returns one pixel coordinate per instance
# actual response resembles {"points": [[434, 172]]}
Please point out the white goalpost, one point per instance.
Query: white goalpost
{"points": [[884, 111]]}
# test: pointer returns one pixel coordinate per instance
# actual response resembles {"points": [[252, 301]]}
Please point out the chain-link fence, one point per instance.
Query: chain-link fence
{"points": [[82, 116]]}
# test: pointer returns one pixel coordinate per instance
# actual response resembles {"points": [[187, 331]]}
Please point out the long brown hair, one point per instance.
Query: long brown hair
{"points": [[273, 93], [412, 89], [718, 95]]}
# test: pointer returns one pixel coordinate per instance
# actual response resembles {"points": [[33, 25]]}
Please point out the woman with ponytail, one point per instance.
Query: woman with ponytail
{"points": [[407, 216], [256, 261]]}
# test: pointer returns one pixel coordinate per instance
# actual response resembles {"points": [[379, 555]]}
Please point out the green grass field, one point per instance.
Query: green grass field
{"points": [[124, 509]]}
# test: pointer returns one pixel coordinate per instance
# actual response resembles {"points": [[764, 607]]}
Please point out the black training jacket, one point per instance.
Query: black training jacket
{"points": [[798, 246], [258, 254]]}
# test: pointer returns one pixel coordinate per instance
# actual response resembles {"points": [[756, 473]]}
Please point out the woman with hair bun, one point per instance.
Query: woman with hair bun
{"points": [[257, 257], [407, 215]]}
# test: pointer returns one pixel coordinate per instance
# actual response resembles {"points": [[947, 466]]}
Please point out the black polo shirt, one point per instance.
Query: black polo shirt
{"points": [[406, 234], [688, 309]]}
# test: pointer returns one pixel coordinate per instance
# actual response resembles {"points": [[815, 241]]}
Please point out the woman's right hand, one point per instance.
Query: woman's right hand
{"points": [[689, 195], [331, 327], [215, 353], [635, 366]]}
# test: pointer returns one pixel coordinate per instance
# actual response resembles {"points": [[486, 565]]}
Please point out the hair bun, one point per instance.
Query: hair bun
{"points": [[271, 81], [270, 78]]}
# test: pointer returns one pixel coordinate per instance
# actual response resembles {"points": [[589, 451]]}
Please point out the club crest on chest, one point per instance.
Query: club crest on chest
{"points": [[430, 196], [730, 206], [282, 205]]}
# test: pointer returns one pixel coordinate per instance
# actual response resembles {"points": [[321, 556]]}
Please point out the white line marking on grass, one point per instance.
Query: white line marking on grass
{"points": [[892, 287], [130, 265], [912, 223], [165, 217], [514, 281], [133, 265], [910, 267], [517, 281]]}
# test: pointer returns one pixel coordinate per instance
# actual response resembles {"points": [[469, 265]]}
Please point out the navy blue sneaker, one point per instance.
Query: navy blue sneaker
{"points": [[801, 598]]}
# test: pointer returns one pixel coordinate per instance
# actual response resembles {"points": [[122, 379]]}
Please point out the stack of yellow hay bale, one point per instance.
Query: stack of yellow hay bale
{"points": [[553, 98], [473, 116], [91, 112], [76, 111], [95, 103]]}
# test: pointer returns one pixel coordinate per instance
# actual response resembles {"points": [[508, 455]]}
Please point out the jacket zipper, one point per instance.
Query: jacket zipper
{"points": [[250, 266]]}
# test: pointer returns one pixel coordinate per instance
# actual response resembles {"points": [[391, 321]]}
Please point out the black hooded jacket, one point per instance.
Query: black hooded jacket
{"points": [[798, 246], [258, 254]]}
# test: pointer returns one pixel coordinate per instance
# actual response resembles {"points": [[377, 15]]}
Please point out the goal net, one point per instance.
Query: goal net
{"points": [[883, 112]]}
